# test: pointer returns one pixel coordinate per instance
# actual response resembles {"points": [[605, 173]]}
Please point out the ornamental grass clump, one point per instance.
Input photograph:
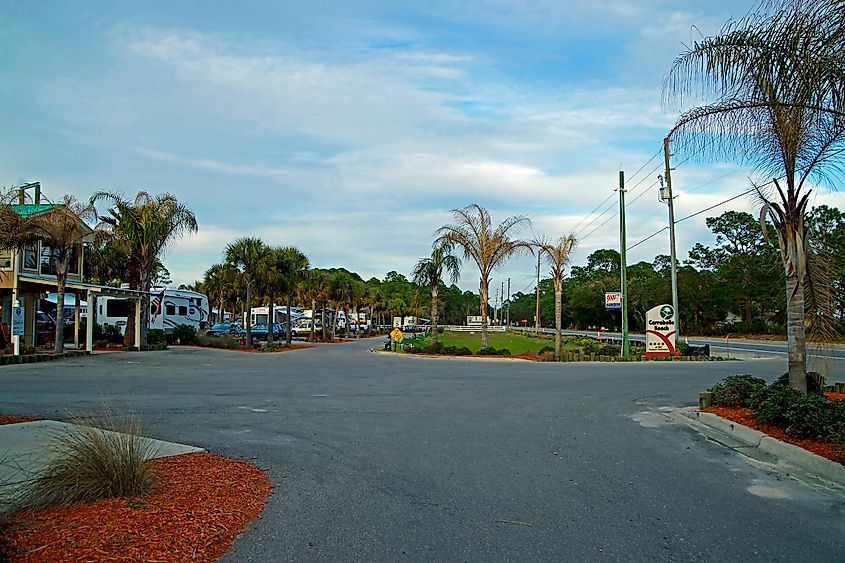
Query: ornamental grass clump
{"points": [[94, 459]]}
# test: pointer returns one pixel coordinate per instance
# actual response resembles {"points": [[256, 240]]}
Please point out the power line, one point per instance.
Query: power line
{"points": [[575, 228]]}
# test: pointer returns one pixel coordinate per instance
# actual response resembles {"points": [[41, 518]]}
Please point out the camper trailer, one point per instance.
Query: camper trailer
{"points": [[169, 308]]}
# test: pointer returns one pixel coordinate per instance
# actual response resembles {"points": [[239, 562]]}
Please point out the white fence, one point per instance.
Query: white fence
{"points": [[462, 328]]}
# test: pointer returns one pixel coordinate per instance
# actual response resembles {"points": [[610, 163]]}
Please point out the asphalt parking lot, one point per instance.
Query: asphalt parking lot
{"points": [[379, 457]]}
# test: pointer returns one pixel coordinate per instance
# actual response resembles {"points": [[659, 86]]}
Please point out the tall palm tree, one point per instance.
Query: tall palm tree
{"points": [[144, 227], [251, 259], [62, 228], [219, 284], [292, 267], [489, 248], [557, 254], [777, 77], [429, 271]]}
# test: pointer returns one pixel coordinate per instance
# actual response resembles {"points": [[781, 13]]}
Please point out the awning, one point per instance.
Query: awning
{"points": [[101, 289]]}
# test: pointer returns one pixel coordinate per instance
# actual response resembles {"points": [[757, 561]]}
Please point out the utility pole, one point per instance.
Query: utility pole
{"points": [[624, 263], [502, 305], [509, 302], [537, 312], [672, 253]]}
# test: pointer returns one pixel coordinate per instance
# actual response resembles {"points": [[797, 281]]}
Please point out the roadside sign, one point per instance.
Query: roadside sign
{"points": [[613, 300], [660, 331], [396, 335], [17, 321]]}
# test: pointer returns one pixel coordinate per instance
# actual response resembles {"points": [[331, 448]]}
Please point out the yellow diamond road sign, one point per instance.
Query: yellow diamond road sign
{"points": [[397, 335]]}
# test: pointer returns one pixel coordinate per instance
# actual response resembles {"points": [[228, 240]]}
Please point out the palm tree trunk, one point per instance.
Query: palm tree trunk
{"points": [[60, 312], [287, 328], [271, 321], [145, 308], [558, 311], [323, 321], [796, 333], [248, 315], [313, 317], [434, 313], [482, 290]]}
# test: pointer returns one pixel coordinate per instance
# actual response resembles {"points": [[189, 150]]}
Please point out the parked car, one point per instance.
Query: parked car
{"points": [[304, 328], [219, 329], [259, 331]]}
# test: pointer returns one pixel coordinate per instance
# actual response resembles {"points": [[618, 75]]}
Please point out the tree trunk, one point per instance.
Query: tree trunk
{"points": [[558, 310], [323, 321], [60, 312], [434, 290], [271, 321], [796, 333], [313, 318], [483, 294], [248, 315], [288, 327], [145, 308]]}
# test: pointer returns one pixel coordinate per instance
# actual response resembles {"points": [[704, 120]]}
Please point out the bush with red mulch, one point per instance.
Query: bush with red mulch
{"points": [[744, 416], [198, 505]]}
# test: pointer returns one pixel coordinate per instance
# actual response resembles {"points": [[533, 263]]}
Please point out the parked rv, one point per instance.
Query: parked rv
{"points": [[169, 308]]}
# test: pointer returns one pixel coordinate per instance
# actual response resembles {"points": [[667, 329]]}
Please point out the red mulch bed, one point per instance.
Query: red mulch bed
{"points": [[199, 504], [835, 396], [15, 418], [833, 452]]}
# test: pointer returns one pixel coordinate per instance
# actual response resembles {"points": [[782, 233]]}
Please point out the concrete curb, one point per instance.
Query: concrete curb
{"points": [[446, 358], [806, 460]]}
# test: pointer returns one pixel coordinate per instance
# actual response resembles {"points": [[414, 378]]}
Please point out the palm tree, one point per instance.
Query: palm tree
{"points": [[292, 267], [473, 232], [429, 271], [144, 227], [62, 228], [557, 255], [777, 79], [250, 258], [219, 284]]}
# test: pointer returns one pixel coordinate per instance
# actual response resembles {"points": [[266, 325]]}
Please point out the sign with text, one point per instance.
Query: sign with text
{"points": [[613, 300], [17, 321], [660, 331]]}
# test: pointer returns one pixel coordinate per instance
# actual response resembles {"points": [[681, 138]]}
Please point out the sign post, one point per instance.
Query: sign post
{"points": [[17, 328], [396, 335], [660, 333]]}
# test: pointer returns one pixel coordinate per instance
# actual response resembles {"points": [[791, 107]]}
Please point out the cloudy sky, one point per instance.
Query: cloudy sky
{"points": [[350, 129]]}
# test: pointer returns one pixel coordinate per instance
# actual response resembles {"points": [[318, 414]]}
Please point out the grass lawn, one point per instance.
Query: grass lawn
{"points": [[513, 341]]}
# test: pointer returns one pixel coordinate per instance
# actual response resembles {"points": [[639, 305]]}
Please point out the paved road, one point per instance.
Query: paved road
{"points": [[385, 458]]}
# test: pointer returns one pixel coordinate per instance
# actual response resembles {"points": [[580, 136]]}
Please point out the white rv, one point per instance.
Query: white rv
{"points": [[169, 308]]}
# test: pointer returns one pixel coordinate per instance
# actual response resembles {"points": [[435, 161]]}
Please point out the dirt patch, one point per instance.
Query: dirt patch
{"points": [[829, 450], [15, 418], [199, 504]]}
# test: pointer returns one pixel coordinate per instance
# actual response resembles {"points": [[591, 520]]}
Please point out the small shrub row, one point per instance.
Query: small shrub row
{"points": [[803, 415], [438, 349], [182, 334], [490, 351], [224, 341]]}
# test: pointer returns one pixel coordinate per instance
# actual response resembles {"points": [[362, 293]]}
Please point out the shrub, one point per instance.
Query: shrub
{"points": [[736, 390], [155, 336], [225, 342], [457, 351], [183, 334], [546, 350], [112, 333], [609, 350], [105, 460], [808, 415], [490, 351], [433, 348]]}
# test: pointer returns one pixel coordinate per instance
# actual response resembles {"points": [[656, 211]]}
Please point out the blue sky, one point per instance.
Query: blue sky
{"points": [[349, 129]]}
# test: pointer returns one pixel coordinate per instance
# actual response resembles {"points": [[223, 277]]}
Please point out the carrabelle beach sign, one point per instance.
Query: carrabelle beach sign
{"points": [[660, 331]]}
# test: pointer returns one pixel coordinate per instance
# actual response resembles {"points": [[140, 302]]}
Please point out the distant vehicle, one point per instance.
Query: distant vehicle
{"points": [[221, 329], [169, 308], [304, 328], [259, 331]]}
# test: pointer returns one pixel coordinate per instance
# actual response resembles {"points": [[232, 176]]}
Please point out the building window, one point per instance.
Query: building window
{"points": [[48, 262], [73, 264], [5, 259], [30, 261]]}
